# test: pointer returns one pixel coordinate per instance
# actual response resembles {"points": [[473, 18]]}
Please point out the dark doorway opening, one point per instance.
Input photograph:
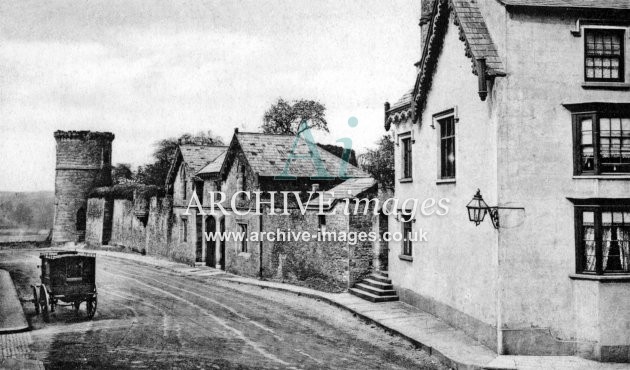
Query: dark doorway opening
{"points": [[199, 238], [80, 224], [211, 226], [222, 244]]}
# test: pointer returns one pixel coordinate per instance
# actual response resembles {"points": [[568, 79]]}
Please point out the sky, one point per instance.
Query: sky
{"points": [[148, 70]]}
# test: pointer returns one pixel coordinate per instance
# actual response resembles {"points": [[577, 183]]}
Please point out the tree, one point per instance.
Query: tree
{"points": [[23, 214], [155, 173], [284, 117], [122, 173], [379, 162]]}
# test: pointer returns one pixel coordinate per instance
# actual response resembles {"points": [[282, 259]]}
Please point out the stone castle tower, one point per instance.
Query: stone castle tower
{"points": [[83, 163]]}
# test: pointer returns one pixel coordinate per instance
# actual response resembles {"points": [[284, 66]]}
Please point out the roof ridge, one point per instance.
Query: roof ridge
{"points": [[262, 134], [205, 145]]}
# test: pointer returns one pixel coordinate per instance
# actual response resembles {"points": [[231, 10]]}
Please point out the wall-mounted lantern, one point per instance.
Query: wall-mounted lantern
{"points": [[477, 209]]}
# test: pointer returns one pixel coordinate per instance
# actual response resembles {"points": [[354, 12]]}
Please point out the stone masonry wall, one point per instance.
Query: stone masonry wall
{"points": [[127, 230], [361, 254], [95, 222], [317, 264]]}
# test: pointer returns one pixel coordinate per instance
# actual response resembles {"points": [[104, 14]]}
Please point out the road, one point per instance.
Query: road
{"points": [[150, 318]]}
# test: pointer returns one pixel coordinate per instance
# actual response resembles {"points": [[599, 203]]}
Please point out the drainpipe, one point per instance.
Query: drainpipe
{"points": [[481, 75]]}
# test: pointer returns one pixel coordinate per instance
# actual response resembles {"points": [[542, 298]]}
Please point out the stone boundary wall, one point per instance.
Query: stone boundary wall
{"points": [[148, 232]]}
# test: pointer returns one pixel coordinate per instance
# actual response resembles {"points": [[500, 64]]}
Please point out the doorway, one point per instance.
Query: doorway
{"points": [[211, 226], [222, 244], [81, 224], [199, 239]]}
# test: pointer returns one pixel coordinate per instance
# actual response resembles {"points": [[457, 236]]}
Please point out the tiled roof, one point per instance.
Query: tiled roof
{"points": [[477, 36], [601, 4], [198, 156], [267, 155], [348, 189], [403, 101], [215, 165]]}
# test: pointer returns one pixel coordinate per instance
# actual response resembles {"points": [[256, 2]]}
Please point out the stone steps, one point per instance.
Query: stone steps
{"points": [[375, 288]]}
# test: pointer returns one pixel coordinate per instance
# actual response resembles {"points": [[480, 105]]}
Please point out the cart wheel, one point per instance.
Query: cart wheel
{"points": [[35, 299], [91, 306], [44, 301]]}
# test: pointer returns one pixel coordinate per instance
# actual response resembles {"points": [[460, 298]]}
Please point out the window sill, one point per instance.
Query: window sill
{"points": [[602, 177], [405, 257], [606, 85], [406, 179], [445, 181], [602, 278]]}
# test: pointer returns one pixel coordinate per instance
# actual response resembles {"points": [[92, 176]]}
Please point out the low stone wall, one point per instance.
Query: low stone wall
{"points": [[149, 233]]}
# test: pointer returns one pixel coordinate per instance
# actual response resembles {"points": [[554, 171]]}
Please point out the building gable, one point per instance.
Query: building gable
{"points": [[479, 47]]}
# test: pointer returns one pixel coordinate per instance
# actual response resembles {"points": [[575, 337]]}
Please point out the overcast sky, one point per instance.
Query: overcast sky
{"points": [[147, 70]]}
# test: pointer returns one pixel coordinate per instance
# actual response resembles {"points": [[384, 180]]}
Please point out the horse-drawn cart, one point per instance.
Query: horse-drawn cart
{"points": [[67, 277]]}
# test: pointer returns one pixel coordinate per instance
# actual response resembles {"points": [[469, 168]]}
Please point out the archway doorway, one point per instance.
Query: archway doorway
{"points": [[80, 224]]}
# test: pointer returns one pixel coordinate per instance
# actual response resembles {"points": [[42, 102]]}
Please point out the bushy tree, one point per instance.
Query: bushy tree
{"points": [[122, 173], [284, 117], [379, 162]]}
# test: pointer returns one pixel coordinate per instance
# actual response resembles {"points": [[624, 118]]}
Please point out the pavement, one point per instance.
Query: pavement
{"points": [[448, 344], [12, 317]]}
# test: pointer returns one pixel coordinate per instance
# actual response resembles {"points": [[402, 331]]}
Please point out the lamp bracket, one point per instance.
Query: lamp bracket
{"points": [[494, 214]]}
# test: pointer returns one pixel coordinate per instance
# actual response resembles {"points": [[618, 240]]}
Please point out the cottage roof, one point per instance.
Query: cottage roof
{"points": [[198, 156], [351, 188], [600, 4], [267, 155], [215, 165]]}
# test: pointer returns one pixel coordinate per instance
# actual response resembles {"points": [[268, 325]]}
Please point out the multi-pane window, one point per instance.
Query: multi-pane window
{"points": [[242, 229], [406, 158], [447, 147], [406, 231], [604, 55], [603, 240], [603, 143]]}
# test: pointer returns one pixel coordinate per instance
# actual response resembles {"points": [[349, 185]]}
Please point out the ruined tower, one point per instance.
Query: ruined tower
{"points": [[83, 163]]}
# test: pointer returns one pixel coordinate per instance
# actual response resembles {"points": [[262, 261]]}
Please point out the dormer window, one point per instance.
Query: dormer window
{"points": [[604, 55]]}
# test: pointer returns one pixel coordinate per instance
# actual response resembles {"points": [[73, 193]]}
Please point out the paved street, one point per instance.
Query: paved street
{"points": [[152, 318]]}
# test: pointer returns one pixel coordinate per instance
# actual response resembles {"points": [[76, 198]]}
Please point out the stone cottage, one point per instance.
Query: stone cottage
{"points": [[257, 162], [194, 169], [527, 101]]}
